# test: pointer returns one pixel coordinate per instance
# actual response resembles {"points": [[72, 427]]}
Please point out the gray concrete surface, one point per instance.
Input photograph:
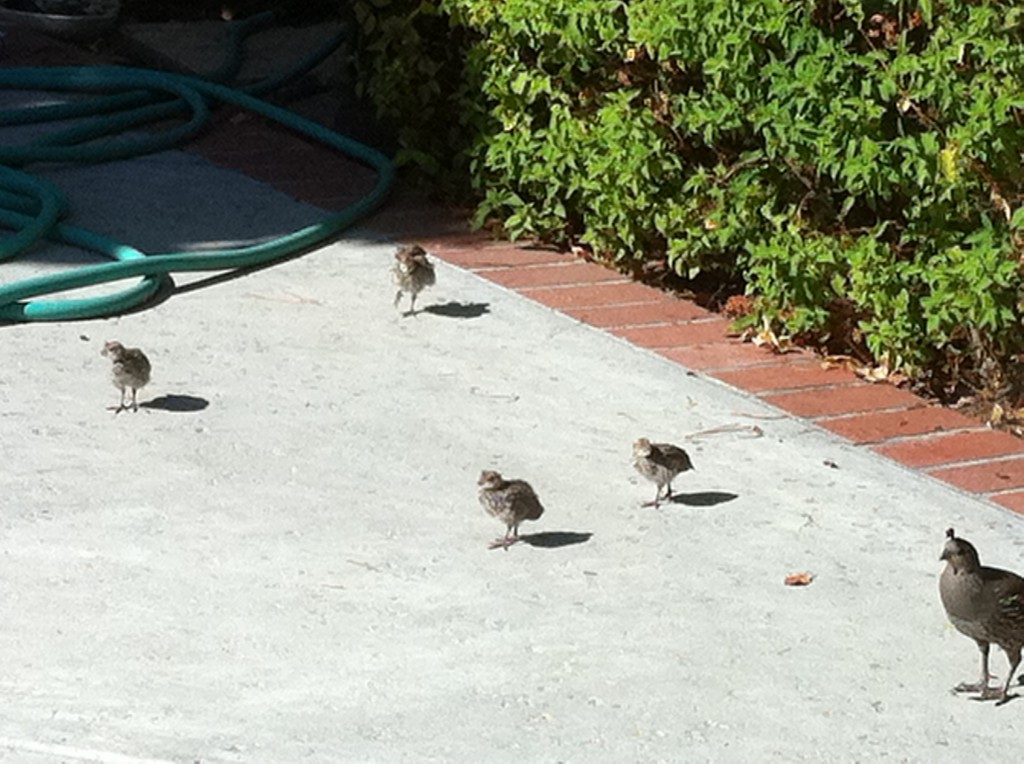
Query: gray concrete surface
{"points": [[298, 572]]}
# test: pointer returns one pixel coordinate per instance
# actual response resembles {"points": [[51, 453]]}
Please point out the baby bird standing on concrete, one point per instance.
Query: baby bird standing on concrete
{"points": [[986, 604], [660, 463], [413, 272], [511, 501], [131, 369]]}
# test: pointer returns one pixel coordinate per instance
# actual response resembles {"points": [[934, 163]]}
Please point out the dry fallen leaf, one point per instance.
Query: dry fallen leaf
{"points": [[584, 253], [766, 337], [997, 415], [838, 361], [878, 373], [799, 579]]}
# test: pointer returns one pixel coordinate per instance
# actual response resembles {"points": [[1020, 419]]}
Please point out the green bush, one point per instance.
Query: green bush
{"points": [[411, 63], [838, 155]]}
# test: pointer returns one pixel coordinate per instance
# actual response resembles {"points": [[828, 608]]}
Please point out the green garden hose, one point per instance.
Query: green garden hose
{"points": [[32, 207]]}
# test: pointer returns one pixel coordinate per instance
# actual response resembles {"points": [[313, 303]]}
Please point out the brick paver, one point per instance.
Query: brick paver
{"points": [[644, 314], [1013, 500], [966, 446], [722, 355], [560, 274], [592, 295], [478, 257], [675, 335], [847, 398], [986, 477], [875, 427], [789, 373]]}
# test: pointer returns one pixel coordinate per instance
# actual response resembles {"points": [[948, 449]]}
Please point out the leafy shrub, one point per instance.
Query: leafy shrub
{"points": [[410, 63], [861, 158]]}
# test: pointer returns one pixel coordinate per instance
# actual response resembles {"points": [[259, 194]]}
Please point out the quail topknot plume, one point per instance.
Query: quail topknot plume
{"points": [[986, 604], [413, 272], [511, 501], [131, 369], [660, 463]]}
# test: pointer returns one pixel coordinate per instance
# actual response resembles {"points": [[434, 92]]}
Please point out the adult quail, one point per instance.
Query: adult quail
{"points": [[511, 501], [131, 369], [986, 604], [660, 463], [413, 272]]}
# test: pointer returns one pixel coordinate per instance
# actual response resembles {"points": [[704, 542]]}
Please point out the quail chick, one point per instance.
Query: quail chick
{"points": [[413, 272], [131, 369], [986, 604], [660, 463], [511, 501]]}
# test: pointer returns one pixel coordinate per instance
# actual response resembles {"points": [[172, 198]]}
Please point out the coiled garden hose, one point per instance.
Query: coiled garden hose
{"points": [[32, 207]]}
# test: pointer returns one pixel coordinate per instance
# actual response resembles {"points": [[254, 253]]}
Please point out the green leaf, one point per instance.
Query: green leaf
{"points": [[925, 6]]}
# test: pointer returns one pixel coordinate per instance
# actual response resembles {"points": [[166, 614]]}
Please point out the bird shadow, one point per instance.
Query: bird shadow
{"points": [[703, 498], [555, 539], [998, 701], [459, 309], [176, 403]]}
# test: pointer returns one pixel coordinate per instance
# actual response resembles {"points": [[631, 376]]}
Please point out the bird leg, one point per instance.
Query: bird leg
{"points": [[135, 403], [511, 537], [120, 406], [982, 685], [656, 502], [1014, 659], [503, 543], [412, 305]]}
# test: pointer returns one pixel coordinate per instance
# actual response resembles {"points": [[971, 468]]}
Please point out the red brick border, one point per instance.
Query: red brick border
{"points": [[891, 421]]}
